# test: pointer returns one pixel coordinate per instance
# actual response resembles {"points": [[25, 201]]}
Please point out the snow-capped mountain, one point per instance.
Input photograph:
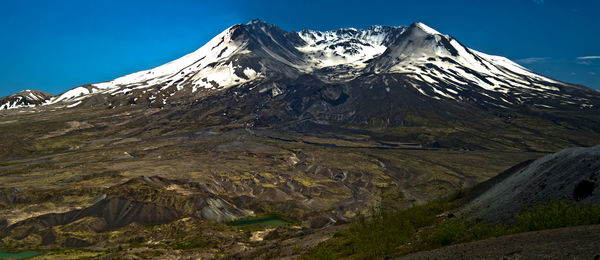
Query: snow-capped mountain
{"points": [[416, 58], [25, 98], [444, 68]]}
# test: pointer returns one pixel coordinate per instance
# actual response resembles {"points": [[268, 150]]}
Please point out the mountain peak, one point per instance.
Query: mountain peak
{"points": [[423, 27], [437, 65], [29, 91], [260, 25], [25, 98], [256, 21]]}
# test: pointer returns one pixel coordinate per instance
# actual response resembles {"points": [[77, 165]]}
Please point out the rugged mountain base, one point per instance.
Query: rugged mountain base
{"points": [[154, 183]]}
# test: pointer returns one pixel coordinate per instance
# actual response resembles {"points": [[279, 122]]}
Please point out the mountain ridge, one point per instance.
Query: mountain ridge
{"points": [[24, 99], [435, 64]]}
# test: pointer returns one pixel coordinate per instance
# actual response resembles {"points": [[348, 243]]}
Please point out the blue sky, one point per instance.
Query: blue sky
{"points": [[57, 45]]}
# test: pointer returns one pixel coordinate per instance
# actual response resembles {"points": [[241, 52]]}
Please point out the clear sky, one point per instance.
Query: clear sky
{"points": [[56, 45]]}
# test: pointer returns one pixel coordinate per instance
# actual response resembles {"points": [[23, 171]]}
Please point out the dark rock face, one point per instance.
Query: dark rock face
{"points": [[48, 237], [584, 189], [120, 212], [116, 212], [3, 225]]}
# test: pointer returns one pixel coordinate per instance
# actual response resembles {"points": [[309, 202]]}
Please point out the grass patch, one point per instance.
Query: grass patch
{"points": [[271, 220], [448, 233], [419, 228], [20, 255], [557, 214], [385, 233], [542, 216]]}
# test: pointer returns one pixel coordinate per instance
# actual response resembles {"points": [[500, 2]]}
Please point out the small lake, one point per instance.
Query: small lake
{"points": [[269, 220], [21, 255]]}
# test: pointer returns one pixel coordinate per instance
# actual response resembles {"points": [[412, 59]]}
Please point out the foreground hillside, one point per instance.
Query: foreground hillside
{"points": [[451, 223], [564, 243], [569, 175]]}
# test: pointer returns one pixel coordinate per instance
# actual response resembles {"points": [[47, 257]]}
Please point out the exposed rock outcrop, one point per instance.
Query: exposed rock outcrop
{"points": [[143, 200]]}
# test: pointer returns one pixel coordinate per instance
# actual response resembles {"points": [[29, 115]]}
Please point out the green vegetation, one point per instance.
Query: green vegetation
{"points": [[448, 232], [454, 231], [549, 215], [20, 255], [384, 234], [272, 220], [418, 229], [556, 214]]}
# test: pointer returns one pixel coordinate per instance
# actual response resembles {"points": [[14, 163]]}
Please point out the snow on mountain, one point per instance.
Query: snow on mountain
{"points": [[346, 46], [198, 66], [437, 65], [216, 64], [425, 28], [25, 98], [447, 69]]}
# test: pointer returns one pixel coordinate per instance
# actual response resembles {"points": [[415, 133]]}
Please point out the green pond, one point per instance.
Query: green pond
{"points": [[269, 220], [21, 255]]}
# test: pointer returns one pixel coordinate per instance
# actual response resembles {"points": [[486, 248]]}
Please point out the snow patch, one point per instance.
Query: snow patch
{"points": [[426, 28]]}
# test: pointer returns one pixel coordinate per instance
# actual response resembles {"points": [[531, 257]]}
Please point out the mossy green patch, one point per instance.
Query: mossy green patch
{"points": [[271, 220], [19, 255]]}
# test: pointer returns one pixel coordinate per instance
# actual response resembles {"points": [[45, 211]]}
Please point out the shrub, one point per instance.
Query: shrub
{"points": [[382, 234], [389, 233], [448, 233], [556, 214]]}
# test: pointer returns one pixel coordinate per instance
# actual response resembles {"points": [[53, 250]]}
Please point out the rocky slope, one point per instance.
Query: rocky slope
{"points": [[570, 175], [143, 200], [24, 99]]}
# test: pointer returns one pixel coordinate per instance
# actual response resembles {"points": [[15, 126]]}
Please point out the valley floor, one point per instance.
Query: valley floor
{"points": [[118, 182]]}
